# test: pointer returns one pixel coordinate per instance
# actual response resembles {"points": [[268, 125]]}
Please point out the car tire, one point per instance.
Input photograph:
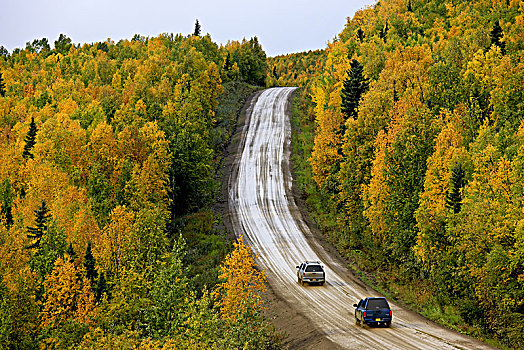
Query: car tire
{"points": [[362, 324], [388, 324], [321, 283], [298, 279]]}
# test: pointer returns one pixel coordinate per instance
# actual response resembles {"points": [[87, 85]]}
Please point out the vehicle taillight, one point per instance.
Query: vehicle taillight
{"points": [[303, 273], [389, 312], [364, 314]]}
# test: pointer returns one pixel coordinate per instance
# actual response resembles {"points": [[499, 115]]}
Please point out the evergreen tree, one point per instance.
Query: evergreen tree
{"points": [[71, 252], [38, 45], [101, 286], [360, 35], [63, 44], [410, 9], [7, 213], [35, 233], [102, 47], [227, 64], [6, 202], [495, 36], [395, 93], [30, 140], [197, 28], [52, 245], [354, 87], [252, 62], [454, 196], [89, 264], [2, 86]]}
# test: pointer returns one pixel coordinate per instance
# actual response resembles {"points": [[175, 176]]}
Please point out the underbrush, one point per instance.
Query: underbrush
{"points": [[229, 105], [206, 248]]}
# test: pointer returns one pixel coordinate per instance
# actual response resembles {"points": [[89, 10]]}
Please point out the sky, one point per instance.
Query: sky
{"points": [[282, 26]]}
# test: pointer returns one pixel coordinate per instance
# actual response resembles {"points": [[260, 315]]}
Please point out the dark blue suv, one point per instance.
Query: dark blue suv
{"points": [[373, 311]]}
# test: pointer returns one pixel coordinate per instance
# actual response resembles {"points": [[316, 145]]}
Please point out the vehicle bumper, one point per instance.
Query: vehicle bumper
{"points": [[377, 320], [313, 280]]}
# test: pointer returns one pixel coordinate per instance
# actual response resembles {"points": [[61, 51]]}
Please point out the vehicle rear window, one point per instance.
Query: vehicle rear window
{"points": [[313, 268], [377, 304]]}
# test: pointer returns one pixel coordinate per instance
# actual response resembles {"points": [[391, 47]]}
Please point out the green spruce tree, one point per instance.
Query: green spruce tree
{"points": [[353, 89], [6, 203], [495, 36], [5, 317], [71, 252], [227, 64], [360, 35], [36, 232], [2, 86], [89, 264], [51, 246], [101, 287], [384, 32], [30, 140], [63, 44], [454, 196], [197, 28]]}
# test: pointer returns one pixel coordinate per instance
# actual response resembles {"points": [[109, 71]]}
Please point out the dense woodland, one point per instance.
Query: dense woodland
{"points": [[412, 135], [109, 159], [409, 149]]}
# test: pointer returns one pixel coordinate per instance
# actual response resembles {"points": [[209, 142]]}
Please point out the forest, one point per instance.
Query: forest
{"points": [[110, 158], [408, 147], [410, 152]]}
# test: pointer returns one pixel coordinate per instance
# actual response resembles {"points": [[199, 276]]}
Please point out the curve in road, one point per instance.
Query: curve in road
{"points": [[263, 209]]}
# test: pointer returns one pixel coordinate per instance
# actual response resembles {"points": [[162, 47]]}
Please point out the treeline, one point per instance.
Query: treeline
{"points": [[418, 153], [109, 155], [297, 69]]}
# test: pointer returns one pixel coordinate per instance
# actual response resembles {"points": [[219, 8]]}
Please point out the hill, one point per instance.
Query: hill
{"points": [[415, 167]]}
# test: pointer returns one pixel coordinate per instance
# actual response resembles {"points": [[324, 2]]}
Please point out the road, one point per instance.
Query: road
{"points": [[263, 209]]}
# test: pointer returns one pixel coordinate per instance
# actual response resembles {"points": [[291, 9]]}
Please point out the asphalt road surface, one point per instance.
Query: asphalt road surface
{"points": [[262, 208]]}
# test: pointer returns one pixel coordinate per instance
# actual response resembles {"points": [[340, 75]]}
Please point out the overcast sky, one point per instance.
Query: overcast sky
{"points": [[282, 26]]}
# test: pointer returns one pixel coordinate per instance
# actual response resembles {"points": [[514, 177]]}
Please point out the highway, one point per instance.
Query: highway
{"points": [[263, 209]]}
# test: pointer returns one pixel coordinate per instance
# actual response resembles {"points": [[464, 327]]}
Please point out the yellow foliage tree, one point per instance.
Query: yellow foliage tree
{"points": [[150, 173], [329, 118], [242, 282], [432, 211], [67, 295], [115, 240], [376, 192]]}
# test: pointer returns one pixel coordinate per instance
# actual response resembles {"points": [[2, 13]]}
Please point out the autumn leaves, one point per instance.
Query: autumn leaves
{"points": [[423, 175], [104, 151]]}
